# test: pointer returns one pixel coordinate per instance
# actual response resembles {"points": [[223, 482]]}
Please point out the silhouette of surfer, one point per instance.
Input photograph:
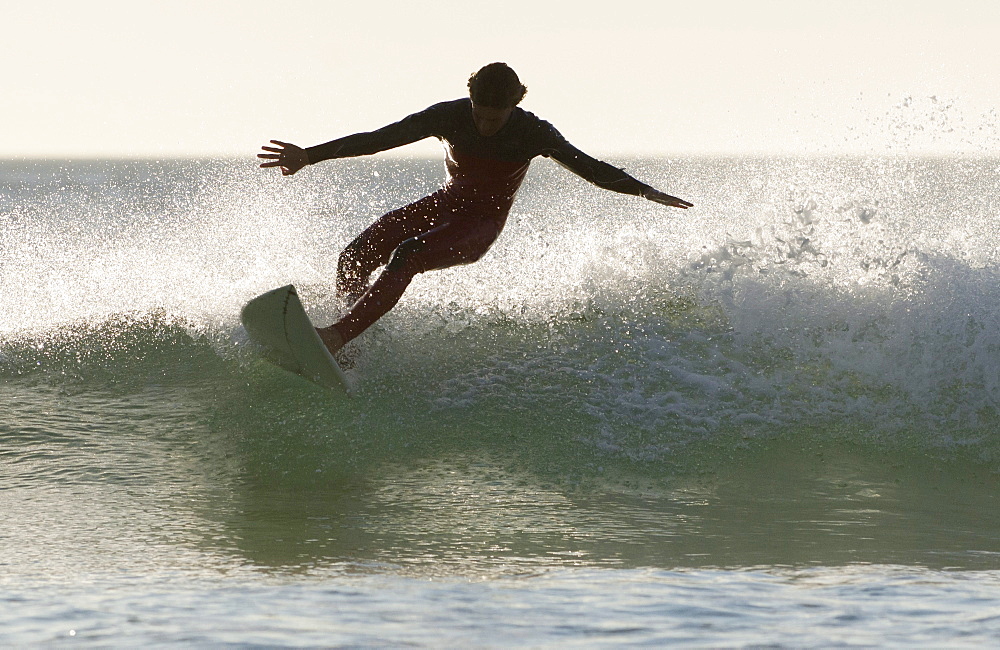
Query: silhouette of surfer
{"points": [[489, 143]]}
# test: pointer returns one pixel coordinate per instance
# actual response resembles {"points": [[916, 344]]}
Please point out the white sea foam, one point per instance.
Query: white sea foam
{"points": [[844, 291]]}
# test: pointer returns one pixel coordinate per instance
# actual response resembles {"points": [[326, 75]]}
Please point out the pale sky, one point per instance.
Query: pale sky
{"points": [[109, 78]]}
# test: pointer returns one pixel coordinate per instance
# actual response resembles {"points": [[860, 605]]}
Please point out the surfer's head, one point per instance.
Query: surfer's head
{"points": [[495, 90], [496, 86]]}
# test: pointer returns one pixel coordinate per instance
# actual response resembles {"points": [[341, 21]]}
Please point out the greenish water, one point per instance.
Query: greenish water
{"points": [[770, 421]]}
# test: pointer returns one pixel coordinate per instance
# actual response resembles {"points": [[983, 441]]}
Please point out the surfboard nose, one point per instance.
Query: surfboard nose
{"points": [[277, 321]]}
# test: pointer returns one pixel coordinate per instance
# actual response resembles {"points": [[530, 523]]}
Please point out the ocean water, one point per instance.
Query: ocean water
{"points": [[769, 420]]}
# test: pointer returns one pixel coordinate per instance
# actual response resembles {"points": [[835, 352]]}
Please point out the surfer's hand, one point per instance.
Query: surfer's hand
{"points": [[665, 199], [289, 157]]}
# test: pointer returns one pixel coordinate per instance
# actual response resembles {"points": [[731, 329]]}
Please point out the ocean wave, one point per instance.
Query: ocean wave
{"points": [[807, 303]]}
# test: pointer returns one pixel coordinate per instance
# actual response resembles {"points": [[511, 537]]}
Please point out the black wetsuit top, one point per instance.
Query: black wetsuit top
{"points": [[483, 170]]}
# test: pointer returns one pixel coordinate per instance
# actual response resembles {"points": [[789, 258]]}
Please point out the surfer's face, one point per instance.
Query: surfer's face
{"points": [[489, 120]]}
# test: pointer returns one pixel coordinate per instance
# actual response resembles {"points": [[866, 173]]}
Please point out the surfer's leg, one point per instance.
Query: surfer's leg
{"points": [[461, 242], [376, 302], [373, 248]]}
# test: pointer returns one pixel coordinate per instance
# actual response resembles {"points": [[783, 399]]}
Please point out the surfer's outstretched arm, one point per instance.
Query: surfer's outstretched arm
{"points": [[291, 158], [604, 175]]}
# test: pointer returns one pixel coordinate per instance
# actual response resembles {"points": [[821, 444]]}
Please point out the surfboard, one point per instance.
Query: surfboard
{"points": [[278, 323]]}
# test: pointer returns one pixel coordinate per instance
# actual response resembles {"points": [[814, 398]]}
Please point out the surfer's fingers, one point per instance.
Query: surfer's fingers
{"points": [[668, 200], [272, 149], [675, 201], [282, 144]]}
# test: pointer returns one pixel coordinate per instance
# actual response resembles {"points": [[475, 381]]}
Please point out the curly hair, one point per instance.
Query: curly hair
{"points": [[496, 85]]}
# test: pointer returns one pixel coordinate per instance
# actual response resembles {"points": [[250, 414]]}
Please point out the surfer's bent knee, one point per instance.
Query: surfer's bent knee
{"points": [[353, 252], [404, 256]]}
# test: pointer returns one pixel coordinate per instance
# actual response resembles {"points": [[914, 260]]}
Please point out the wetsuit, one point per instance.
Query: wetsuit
{"points": [[458, 223]]}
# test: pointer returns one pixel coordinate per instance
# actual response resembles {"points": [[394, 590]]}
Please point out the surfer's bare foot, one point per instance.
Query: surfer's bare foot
{"points": [[331, 338]]}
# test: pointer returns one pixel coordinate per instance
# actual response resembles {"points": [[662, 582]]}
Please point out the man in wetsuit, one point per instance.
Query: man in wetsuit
{"points": [[489, 143]]}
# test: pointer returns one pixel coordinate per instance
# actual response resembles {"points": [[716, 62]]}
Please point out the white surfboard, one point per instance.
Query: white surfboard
{"points": [[277, 322]]}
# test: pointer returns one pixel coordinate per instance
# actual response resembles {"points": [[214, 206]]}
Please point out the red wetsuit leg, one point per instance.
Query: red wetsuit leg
{"points": [[462, 240], [373, 247]]}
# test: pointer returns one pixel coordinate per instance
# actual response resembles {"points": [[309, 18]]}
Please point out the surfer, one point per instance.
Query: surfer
{"points": [[489, 143]]}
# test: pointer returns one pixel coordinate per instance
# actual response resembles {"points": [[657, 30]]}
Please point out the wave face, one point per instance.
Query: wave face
{"points": [[803, 302]]}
